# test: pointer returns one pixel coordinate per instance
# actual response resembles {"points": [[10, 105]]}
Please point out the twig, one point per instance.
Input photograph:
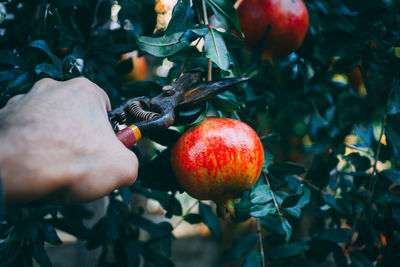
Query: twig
{"points": [[261, 242], [308, 183], [273, 196], [205, 17], [186, 213]]}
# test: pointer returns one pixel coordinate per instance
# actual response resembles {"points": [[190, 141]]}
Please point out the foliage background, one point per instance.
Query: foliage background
{"points": [[308, 108]]}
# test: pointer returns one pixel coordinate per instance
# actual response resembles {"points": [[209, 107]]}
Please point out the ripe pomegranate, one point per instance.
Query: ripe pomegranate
{"points": [[288, 20], [217, 159], [139, 70]]}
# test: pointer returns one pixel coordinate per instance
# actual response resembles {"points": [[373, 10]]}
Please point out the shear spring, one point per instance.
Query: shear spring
{"points": [[137, 112]]}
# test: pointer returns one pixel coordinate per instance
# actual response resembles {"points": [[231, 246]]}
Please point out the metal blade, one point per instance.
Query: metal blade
{"points": [[204, 91]]}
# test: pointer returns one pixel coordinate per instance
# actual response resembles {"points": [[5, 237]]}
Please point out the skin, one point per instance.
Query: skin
{"points": [[288, 20], [218, 159], [57, 145]]}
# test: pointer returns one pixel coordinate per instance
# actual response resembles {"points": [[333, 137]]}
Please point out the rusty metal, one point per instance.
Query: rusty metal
{"points": [[157, 113]]}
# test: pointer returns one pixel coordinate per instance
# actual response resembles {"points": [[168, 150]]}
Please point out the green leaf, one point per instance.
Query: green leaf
{"points": [[293, 199], [225, 9], [174, 207], [242, 246], [396, 214], [193, 218], [287, 228], [253, 259], [163, 46], [182, 17], [210, 219], [216, 49], [40, 254], [42, 45], [262, 210], [270, 139], [321, 166], [336, 235], [50, 234], [391, 174], [261, 194], [48, 69], [359, 260], [226, 102], [332, 201], [286, 168], [361, 163], [286, 251], [393, 106]]}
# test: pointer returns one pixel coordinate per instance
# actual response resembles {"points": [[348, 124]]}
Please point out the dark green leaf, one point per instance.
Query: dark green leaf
{"points": [[253, 259], [174, 207], [270, 139], [155, 230], [366, 134], [286, 168], [193, 218], [396, 214], [225, 102], [42, 45], [393, 106], [320, 169], [391, 174], [210, 219], [225, 9], [40, 254], [182, 17], [260, 194], [287, 228], [292, 200], [361, 163], [50, 234], [359, 260], [163, 46], [286, 251], [332, 201], [242, 246], [216, 49], [336, 235], [48, 69], [273, 224]]}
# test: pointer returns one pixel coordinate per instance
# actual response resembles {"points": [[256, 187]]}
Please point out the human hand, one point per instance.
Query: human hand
{"points": [[57, 144]]}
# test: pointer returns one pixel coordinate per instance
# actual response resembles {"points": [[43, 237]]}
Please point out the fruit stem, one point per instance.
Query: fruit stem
{"points": [[221, 209], [225, 206]]}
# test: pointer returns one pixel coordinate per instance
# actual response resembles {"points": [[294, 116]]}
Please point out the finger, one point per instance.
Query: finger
{"points": [[14, 99]]}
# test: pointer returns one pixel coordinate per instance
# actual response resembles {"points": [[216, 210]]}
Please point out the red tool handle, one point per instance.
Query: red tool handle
{"points": [[129, 136]]}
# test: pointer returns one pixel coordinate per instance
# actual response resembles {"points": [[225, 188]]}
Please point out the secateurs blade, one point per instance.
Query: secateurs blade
{"points": [[158, 113]]}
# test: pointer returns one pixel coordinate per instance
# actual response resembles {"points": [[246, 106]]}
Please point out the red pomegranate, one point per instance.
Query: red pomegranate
{"points": [[288, 20], [217, 159]]}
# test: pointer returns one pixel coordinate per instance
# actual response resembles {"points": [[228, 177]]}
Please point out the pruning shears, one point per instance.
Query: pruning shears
{"points": [[152, 115]]}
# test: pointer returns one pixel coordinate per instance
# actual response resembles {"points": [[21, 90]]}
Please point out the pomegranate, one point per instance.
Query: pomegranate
{"points": [[217, 159], [288, 20]]}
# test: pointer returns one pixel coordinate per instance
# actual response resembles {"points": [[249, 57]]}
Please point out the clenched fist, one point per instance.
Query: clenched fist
{"points": [[57, 145]]}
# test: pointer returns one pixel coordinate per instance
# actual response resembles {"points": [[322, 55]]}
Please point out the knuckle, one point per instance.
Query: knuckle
{"points": [[43, 85]]}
